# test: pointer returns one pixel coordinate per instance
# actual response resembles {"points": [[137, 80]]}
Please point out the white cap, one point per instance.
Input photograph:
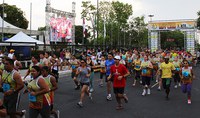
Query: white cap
{"points": [[117, 57]]}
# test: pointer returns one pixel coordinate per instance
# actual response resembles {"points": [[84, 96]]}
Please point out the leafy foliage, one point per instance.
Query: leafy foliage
{"points": [[15, 16]]}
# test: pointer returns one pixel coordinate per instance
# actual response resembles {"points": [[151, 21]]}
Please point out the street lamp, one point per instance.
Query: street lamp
{"points": [[149, 31], [150, 16]]}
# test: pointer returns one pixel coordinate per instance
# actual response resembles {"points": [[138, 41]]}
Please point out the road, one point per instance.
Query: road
{"points": [[150, 106]]}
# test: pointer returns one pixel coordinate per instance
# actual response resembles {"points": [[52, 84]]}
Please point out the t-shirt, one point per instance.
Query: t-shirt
{"points": [[167, 70], [83, 73], [118, 71], [108, 64]]}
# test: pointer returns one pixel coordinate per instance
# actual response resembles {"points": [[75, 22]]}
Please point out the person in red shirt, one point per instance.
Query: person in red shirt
{"points": [[119, 72]]}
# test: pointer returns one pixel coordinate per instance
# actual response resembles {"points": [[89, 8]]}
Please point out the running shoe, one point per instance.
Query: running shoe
{"points": [[58, 114], [125, 99], [159, 88], [77, 87], [119, 107], [80, 104], [175, 86], [133, 85], [144, 92], [148, 91], [23, 113], [140, 82], [90, 96], [109, 98], [179, 84], [91, 90], [189, 101]]}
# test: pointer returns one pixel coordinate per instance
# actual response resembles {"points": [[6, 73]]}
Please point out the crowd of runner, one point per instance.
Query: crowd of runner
{"points": [[114, 66]]}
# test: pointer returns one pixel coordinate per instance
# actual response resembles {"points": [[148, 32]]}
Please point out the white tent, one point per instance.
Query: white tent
{"points": [[21, 37], [7, 25]]}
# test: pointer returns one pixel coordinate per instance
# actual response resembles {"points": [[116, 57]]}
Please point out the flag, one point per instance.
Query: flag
{"points": [[83, 27], [104, 28]]}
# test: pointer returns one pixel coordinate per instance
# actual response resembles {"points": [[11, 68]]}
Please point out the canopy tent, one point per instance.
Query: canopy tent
{"points": [[6, 24], [22, 37]]}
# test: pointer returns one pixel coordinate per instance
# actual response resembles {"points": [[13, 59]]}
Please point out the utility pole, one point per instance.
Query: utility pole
{"points": [[2, 22]]}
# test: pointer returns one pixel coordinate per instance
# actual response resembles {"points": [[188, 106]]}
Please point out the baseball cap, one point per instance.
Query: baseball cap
{"points": [[12, 50], [117, 57]]}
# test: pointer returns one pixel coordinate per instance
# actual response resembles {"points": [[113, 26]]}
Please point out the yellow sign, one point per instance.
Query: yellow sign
{"points": [[171, 25]]}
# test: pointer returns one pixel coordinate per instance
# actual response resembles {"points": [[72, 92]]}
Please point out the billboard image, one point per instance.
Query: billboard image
{"points": [[172, 25], [60, 29]]}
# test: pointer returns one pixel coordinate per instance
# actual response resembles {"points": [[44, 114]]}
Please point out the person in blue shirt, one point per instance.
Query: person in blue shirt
{"points": [[109, 62]]}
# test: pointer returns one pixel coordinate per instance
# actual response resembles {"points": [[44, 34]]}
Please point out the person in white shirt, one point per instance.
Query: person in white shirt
{"points": [[10, 55]]}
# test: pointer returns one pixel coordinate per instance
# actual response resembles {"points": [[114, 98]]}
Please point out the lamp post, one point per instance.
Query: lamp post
{"points": [[149, 31]]}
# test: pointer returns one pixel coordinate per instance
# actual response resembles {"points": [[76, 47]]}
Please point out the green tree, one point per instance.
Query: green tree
{"points": [[138, 31], [178, 37], [15, 16], [198, 20], [79, 35]]}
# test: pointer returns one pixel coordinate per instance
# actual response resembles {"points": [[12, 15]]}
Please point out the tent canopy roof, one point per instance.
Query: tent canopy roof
{"points": [[22, 37]]}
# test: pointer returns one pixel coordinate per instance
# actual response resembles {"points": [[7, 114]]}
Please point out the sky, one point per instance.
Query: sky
{"points": [[161, 9]]}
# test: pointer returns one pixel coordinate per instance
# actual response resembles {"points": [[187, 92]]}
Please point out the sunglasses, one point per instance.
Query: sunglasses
{"points": [[82, 62], [185, 63]]}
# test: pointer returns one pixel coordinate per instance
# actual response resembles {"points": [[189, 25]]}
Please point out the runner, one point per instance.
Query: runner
{"points": [[74, 64], [137, 69], [37, 90], [109, 62], [187, 77], [55, 63], [91, 64], [146, 68], [11, 84], [51, 82], [166, 69], [119, 72], [84, 76], [176, 77], [102, 70]]}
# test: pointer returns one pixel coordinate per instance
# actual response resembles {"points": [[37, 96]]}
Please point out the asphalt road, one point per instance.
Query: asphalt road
{"points": [[150, 106]]}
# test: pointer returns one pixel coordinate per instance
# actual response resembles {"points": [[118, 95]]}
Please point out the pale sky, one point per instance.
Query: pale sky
{"points": [[161, 9]]}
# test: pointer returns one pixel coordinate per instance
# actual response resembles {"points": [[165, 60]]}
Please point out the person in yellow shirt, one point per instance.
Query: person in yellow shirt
{"points": [[137, 69], [166, 69]]}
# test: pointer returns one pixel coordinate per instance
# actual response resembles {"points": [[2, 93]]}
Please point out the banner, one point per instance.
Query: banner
{"points": [[172, 25], [190, 41], [154, 41], [60, 29]]}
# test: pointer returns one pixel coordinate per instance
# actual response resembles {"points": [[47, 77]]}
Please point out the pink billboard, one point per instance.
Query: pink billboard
{"points": [[61, 29]]}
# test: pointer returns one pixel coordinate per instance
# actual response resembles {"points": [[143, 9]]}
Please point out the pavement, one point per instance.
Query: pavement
{"points": [[150, 106]]}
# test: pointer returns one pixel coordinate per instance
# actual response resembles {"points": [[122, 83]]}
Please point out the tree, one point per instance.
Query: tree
{"points": [[79, 35], [198, 20], [138, 31], [178, 41], [15, 16]]}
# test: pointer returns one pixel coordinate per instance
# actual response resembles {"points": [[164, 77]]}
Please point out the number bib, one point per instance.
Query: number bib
{"points": [[177, 69], [73, 66], [144, 71], [137, 66], [32, 98], [6, 87]]}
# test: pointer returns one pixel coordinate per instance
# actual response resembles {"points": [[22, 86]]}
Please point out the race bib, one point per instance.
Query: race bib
{"points": [[137, 66], [185, 74], [177, 69], [73, 66], [32, 98], [6, 87], [144, 71]]}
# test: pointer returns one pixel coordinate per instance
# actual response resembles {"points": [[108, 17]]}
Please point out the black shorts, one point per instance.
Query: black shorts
{"points": [[73, 74], [146, 80], [118, 90], [101, 75], [88, 84], [10, 102], [106, 80]]}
